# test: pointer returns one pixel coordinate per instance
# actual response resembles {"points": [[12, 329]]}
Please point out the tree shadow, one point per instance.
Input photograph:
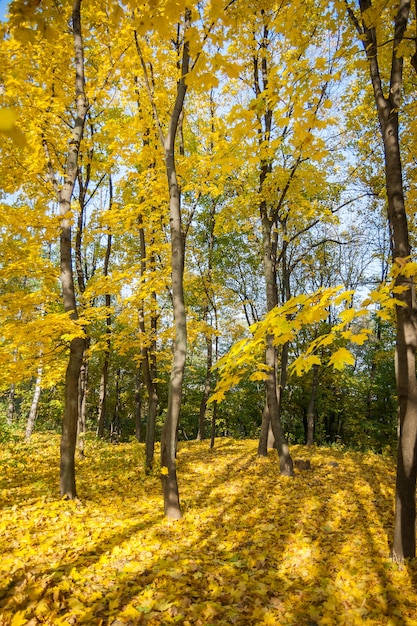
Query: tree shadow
{"points": [[252, 546]]}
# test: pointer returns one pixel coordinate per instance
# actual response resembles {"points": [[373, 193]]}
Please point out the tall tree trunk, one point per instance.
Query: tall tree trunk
{"points": [[102, 405], [82, 403], [77, 345], [10, 404], [214, 414], [206, 393], [213, 425], [148, 363], [311, 410], [101, 420], [170, 490], [388, 107], [30, 425], [268, 219], [102, 399], [115, 425], [208, 288], [138, 404], [264, 434]]}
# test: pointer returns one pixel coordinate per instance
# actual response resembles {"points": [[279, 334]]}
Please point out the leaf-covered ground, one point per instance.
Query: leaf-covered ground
{"points": [[252, 548]]}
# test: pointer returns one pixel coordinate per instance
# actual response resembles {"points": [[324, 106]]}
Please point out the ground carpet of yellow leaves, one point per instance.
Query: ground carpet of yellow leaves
{"points": [[252, 547]]}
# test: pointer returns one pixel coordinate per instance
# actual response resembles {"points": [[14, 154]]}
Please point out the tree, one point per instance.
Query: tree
{"points": [[386, 77], [169, 435], [77, 344]]}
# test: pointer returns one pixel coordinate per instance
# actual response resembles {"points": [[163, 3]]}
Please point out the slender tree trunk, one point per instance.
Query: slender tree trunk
{"points": [[208, 287], [213, 425], [102, 399], [206, 393], [311, 410], [149, 375], [148, 363], [77, 345], [388, 107], [102, 403], [268, 219], [264, 435], [10, 404], [214, 414], [169, 433], [82, 400], [138, 404], [35, 404], [115, 425], [101, 420]]}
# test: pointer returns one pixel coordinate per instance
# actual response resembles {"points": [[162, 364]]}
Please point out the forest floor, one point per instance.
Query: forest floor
{"points": [[252, 547]]}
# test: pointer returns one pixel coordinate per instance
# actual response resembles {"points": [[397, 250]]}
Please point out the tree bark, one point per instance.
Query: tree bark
{"points": [[264, 434], [82, 403], [148, 362], [268, 219], [214, 413], [138, 404], [170, 490], [206, 392], [312, 406], [388, 107], [77, 345], [35, 404], [10, 404], [172, 506]]}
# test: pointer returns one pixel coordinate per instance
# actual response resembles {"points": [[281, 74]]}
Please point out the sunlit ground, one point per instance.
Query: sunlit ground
{"points": [[252, 547]]}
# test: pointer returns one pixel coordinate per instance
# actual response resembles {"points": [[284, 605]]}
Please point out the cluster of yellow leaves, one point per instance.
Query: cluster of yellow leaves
{"points": [[283, 324], [8, 126], [252, 547]]}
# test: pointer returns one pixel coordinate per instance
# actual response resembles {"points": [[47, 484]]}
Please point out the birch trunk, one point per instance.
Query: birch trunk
{"points": [[35, 404]]}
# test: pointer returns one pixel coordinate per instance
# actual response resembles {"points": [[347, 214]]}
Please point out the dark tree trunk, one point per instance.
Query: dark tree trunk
{"points": [[206, 393], [169, 433], [77, 345], [311, 410], [102, 399], [264, 435], [115, 425], [213, 425], [138, 404], [268, 219], [101, 420], [153, 403], [102, 402], [214, 413], [388, 107], [148, 362], [69, 424]]}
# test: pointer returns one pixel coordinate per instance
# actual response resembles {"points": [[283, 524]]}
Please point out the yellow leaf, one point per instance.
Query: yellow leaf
{"points": [[7, 119], [18, 619], [341, 358]]}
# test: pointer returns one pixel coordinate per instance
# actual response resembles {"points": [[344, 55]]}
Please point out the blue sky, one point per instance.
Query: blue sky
{"points": [[3, 7]]}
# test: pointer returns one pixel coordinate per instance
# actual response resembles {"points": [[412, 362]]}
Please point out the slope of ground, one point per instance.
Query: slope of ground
{"points": [[252, 547]]}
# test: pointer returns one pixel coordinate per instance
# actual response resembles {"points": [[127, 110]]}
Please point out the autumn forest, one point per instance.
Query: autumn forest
{"points": [[208, 403]]}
